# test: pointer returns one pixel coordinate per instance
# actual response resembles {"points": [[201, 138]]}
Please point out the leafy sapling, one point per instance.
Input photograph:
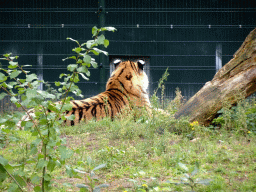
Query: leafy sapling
{"points": [[47, 150], [91, 178], [189, 179]]}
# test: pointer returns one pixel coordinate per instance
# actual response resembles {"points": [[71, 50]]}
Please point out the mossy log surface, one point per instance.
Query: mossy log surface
{"points": [[237, 76]]}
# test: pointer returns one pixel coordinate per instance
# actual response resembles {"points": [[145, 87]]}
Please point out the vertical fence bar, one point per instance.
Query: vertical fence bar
{"points": [[102, 57], [40, 66], [218, 56]]}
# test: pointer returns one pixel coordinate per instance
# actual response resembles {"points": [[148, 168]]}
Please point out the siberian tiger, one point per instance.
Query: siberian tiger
{"points": [[127, 84]]}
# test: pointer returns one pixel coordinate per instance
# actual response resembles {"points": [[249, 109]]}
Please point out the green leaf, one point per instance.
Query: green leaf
{"points": [[72, 57], [2, 95], [194, 172], [11, 84], [13, 187], [183, 166], [37, 189], [31, 93], [113, 29], [14, 74], [71, 117], [87, 59], [3, 161], [89, 160], [82, 186], [72, 67], [196, 169], [90, 44], [68, 38], [79, 171], [20, 180], [41, 164], [67, 107], [69, 171], [100, 39], [106, 43], [3, 174], [62, 75], [7, 54], [94, 31], [47, 177], [13, 63], [83, 76], [57, 83], [31, 77], [2, 120], [100, 51], [67, 184], [94, 64], [82, 69], [14, 100], [2, 77], [94, 52], [101, 186], [51, 165], [99, 167], [96, 190], [77, 49], [26, 66], [65, 153], [43, 121], [75, 79], [204, 181], [28, 124]]}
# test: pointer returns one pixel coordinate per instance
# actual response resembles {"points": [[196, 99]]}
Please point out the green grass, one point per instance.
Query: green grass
{"points": [[147, 151]]}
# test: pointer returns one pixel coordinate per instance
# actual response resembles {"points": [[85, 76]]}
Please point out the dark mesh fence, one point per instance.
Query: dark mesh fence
{"points": [[191, 38]]}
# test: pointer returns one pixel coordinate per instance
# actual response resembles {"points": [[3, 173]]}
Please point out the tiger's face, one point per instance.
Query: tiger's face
{"points": [[129, 76]]}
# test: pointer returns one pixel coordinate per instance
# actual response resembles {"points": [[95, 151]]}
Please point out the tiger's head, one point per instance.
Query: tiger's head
{"points": [[129, 76]]}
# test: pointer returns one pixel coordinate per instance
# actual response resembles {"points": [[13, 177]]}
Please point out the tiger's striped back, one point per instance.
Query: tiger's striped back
{"points": [[127, 84]]}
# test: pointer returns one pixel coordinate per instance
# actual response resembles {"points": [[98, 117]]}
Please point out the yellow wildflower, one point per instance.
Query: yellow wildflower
{"points": [[249, 132], [145, 185], [194, 123]]}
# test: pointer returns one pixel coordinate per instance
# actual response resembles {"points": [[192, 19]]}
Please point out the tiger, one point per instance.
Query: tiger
{"points": [[127, 84]]}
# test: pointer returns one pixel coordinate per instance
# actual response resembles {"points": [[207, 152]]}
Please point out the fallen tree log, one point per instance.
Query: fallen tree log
{"points": [[238, 75]]}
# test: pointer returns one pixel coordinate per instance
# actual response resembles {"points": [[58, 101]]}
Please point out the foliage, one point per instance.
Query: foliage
{"points": [[154, 99], [175, 104], [239, 118], [188, 178], [91, 177], [45, 148]]}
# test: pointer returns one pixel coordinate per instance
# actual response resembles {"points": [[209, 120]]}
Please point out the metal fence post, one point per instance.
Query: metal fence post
{"points": [[102, 57], [40, 65], [218, 56]]}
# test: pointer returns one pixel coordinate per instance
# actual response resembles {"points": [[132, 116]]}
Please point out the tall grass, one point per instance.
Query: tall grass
{"points": [[143, 152]]}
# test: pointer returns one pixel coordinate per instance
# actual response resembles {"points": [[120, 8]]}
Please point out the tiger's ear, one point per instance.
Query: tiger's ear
{"points": [[117, 62], [141, 64]]}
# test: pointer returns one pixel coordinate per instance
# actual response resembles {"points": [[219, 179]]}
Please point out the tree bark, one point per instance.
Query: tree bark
{"points": [[238, 75]]}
